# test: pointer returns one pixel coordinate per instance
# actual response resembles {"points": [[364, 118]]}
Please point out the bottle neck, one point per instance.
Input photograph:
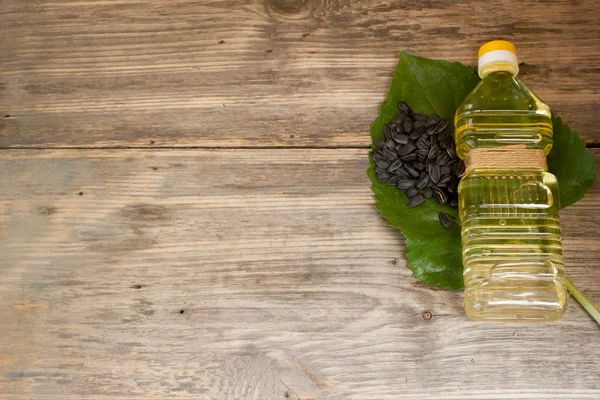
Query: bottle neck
{"points": [[499, 68], [501, 74]]}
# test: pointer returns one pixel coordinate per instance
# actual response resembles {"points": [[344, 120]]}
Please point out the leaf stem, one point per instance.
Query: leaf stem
{"points": [[584, 301]]}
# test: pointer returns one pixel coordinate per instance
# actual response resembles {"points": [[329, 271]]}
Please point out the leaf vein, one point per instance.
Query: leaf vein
{"points": [[420, 84]]}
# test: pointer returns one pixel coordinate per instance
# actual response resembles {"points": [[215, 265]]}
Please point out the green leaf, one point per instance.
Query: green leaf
{"points": [[439, 87], [573, 165]]}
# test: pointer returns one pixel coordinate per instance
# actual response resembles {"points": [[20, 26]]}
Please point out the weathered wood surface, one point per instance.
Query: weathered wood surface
{"points": [[250, 274], [254, 273], [262, 73]]}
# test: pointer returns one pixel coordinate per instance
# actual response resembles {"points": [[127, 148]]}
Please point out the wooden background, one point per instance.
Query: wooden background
{"points": [[184, 211]]}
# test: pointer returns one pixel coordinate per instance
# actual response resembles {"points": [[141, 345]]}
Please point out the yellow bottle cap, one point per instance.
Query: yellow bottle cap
{"points": [[498, 55], [497, 45]]}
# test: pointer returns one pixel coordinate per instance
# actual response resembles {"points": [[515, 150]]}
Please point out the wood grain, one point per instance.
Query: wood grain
{"points": [[250, 274], [269, 73]]}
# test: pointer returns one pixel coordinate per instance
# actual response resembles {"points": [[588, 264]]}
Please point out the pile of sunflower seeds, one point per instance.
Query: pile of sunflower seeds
{"points": [[418, 157]]}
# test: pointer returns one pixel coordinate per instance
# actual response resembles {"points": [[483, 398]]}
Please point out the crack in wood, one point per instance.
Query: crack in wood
{"points": [[290, 389]]}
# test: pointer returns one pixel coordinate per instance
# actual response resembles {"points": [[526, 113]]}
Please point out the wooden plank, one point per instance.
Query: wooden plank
{"points": [[250, 274], [262, 73]]}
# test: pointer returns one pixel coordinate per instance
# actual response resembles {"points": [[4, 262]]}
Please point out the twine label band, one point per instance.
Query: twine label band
{"points": [[507, 157]]}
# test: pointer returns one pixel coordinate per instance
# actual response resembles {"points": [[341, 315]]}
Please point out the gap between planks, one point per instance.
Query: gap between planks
{"points": [[588, 145]]}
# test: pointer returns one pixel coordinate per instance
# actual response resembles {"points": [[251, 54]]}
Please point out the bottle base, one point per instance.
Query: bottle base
{"points": [[514, 316], [515, 310]]}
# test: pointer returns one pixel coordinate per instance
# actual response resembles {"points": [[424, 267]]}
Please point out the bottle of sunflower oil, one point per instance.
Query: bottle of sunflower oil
{"points": [[508, 202]]}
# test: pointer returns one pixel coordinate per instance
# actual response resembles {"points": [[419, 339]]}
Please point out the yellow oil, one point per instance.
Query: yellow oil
{"points": [[512, 253]]}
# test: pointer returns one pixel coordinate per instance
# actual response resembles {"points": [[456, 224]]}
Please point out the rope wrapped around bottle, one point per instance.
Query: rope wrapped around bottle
{"points": [[506, 157]]}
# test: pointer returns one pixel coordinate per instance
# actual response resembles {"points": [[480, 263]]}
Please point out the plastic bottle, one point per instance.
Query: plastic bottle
{"points": [[508, 202]]}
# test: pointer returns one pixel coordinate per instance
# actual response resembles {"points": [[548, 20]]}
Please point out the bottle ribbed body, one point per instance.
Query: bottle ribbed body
{"points": [[512, 253]]}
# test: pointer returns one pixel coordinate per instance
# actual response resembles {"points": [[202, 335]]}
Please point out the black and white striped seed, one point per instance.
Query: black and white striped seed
{"points": [[412, 192], [439, 195], [400, 118], [413, 172], [404, 107], [433, 152], [434, 173], [395, 165], [400, 138], [406, 149], [415, 201], [444, 219], [408, 125], [404, 184], [390, 155]]}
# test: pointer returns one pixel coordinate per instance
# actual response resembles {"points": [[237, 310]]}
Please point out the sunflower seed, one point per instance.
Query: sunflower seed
{"points": [[379, 142], [409, 157], [451, 152], [406, 149], [393, 180], [458, 168], [453, 202], [379, 170], [400, 138], [377, 156], [390, 144], [415, 201], [432, 140], [433, 152], [387, 130], [443, 158], [453, 184], [445, 141], [416, 133], [408, 125], [390, 155], [423, 144], [444, 219], [413, 172], [404, 107], [382, 163], [383, 177], [400, 118], [420, 117], [412, 192], [433, 120], [395, 165], [421, 183], [445, 169], [439, 195], [422, 154], [427, 193], [402, 173], [434, 173], [441, 126], [444, 180], [404, 184], [430, 130], [400, 128], [419, 124], [418, 165]]}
